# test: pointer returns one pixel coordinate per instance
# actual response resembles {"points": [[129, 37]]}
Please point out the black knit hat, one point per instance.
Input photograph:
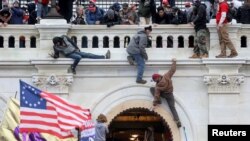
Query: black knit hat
{"points": [[148, 28], [57, 39]]}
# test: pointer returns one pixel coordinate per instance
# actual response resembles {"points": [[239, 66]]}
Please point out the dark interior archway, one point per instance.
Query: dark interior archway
{"points": [[131, 124]]}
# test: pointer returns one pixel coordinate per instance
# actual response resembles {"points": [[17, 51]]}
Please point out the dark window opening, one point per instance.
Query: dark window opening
{"points": [[84, 42], [105, 42], [11, 42], [170, 42], [159, 42], [116, 42], [95, 42], [243, 41], [32, 42], [180, 42], [191, 41]]}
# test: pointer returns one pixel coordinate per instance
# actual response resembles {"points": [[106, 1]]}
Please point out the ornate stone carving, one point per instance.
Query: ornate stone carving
{"points": [[223, 83], [53, 83]]}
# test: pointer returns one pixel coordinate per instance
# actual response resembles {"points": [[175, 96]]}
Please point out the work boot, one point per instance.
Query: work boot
{"points": [[152, 90], [73, 69], [178, 123], [195, 56], [130, 60], [233, 54], [141, 81], [157, 100], [221, 56], [108, 55], [205, 55]]}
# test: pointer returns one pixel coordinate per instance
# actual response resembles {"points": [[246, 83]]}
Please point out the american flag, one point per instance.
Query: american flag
{"points": [[47, 113]]}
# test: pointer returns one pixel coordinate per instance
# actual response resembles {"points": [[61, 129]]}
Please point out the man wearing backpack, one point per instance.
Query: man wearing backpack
{"points": [[224, 40], [63, 44]]}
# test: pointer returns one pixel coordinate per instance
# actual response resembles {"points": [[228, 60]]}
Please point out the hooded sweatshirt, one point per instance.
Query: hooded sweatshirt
{"points": [[138, 43]]}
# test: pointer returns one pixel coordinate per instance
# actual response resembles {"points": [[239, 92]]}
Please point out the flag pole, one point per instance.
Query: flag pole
{"points": [[15, 94]]}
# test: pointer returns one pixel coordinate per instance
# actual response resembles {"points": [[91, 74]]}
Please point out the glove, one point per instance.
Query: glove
{"points": [[110, 24]]}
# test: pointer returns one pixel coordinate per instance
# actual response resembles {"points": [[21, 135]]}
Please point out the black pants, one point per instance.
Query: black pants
{"points": [[170, 100]]}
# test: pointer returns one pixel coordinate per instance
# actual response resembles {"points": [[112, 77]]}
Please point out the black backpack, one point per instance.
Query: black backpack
{"points": [[230, 14]]}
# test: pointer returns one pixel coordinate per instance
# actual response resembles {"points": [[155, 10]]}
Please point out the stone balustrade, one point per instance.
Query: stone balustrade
{"points": [[35, 41]]}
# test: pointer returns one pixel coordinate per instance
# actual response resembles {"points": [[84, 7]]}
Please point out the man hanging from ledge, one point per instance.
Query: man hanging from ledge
{"points": [[164, 88], [68, 48]]}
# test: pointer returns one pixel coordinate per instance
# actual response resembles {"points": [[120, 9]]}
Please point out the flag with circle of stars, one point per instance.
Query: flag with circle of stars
{"points": [[30, 97]]}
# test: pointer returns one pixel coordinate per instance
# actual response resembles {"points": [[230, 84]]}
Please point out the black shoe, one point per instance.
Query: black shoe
{"points": [[130, 60], [108, 55], [73, 69], [152, 90], [178, 123], [141, 81]]}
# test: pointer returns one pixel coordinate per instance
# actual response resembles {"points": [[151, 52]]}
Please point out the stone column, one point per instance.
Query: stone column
{"points": [[53, 77], [223, 81], [48, 29]]}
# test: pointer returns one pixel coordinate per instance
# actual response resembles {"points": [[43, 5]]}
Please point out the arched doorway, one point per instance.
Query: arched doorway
{"points": [[131, 124]]}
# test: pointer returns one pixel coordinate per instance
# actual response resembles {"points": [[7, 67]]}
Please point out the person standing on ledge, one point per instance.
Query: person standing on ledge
{"points": [[224, 40], [137, 52], [164, 88]]}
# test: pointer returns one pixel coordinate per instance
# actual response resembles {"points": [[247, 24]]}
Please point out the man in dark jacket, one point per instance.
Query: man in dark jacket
{"points": [[243, 14], [136, 50], [199, 22], [178, 17], [161, 17], [111, 18], [147, 9], [68, 48], [164, 88]]}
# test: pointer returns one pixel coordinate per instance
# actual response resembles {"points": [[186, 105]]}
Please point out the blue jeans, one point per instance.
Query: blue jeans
{"points": [[42, 10], [140, 65], [77, 56]]}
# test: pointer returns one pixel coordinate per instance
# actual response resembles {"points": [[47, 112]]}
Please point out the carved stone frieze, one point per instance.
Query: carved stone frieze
{"points": [[224, 83], [53, 83]]}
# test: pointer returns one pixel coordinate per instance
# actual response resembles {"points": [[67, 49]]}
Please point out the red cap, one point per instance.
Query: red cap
{"points": [[155, 76]]}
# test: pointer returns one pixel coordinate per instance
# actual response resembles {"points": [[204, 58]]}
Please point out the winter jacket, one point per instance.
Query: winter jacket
{"points": [[147, 8], [138, 44], [162, 20], [91, 17], [243, 14], [165, 85], [71, 47], [17, 15], [100, 131], [115, 21], [200, 18], [178, 19]]}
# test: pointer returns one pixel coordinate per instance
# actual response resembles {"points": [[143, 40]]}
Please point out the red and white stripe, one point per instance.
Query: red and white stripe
{"points": [[58, 119]]}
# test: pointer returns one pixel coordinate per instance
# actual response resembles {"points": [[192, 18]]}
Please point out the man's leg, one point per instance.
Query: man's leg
{"points": [[196, 49], [77, 59], [157, 98], [222, 45], [228, 42], [140, 68], [171, 103], [201, 34], [90, 55]]}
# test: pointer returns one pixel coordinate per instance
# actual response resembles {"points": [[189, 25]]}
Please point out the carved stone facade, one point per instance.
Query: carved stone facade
{"points": [[223, 84], [53, 83]]}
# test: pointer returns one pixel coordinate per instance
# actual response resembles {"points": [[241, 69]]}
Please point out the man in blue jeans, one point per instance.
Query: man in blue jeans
{"points": [[137, 52], [68, 48]]}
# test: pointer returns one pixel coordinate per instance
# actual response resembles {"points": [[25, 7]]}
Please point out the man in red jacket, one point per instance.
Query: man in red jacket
{"points": [[164, 88], [222, 31]]}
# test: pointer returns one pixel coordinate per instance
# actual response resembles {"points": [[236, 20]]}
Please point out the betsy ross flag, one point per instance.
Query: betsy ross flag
{"points": [[47, 113]]}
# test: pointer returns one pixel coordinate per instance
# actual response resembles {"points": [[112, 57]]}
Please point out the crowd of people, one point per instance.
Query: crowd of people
{"points": [[145, 12]]}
